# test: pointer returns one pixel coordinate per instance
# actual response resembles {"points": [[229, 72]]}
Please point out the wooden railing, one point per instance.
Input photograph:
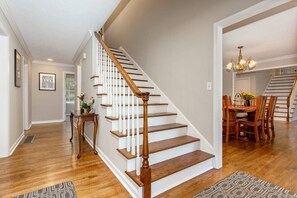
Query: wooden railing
{"points": [[111, 73], [290, 100]]}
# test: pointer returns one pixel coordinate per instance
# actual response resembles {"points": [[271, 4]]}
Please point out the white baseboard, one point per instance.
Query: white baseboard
{"points": [[46, 121], [17, 142], [119, 175]]}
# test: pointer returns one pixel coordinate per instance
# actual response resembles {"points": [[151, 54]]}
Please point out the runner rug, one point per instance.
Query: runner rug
{"points": [[242, 185], [62, 190]]}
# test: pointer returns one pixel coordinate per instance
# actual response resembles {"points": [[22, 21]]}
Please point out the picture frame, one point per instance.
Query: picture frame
{"points": [[17, 69], [47, 81]]}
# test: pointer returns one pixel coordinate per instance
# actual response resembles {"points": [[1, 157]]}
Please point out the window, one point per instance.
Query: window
{"points": [[70, 88]]}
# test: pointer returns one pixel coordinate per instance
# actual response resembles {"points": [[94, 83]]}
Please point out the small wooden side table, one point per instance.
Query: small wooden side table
{"points": [[81, 119]]}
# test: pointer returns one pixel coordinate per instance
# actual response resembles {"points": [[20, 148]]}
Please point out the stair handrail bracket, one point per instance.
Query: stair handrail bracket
{"points": [[124, 101], [291, 98]]}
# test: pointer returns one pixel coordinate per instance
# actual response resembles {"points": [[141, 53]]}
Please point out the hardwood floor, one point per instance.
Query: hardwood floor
{"points": [[52, 159], [274, 161]]}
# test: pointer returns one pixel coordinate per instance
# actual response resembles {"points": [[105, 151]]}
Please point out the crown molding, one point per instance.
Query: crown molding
{"points": [[36, 63], [86, 39], [14, 27], [278, 58]]}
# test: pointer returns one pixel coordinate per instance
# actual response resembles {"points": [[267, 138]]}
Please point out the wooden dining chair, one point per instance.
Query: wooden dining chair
{"points": [[258, 119], [269, 117], [229, 118]]}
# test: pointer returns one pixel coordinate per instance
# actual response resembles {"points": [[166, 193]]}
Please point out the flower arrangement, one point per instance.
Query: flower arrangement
{"points": [[86, 106], [247, 96]]}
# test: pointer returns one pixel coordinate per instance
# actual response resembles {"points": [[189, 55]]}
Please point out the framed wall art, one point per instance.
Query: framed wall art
{"points": [[47, 82], [17, 69]]}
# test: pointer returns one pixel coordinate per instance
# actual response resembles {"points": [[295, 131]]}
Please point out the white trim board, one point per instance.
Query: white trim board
{"points": [[192, 130], [218, 65], [17, 142], [120, 176], [36, 63], [47, 121]]}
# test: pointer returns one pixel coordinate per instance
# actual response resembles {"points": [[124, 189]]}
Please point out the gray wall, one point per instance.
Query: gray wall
{"points": [[11, 97], [47, 105], [172, 40]]}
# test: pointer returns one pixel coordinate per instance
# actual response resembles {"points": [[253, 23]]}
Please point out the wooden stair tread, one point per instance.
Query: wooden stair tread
{"points": [[162, 145], [151, 95], [92, 77], [150, 115], [149, 104], [152, 129], [171, 166], [141, 87], [126, 63]]}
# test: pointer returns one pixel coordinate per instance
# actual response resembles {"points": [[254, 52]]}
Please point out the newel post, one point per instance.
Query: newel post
{"points": [[145, 171]]}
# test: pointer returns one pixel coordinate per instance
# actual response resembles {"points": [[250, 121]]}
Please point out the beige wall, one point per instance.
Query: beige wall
{"points": [[172, 40], [47, 105], [11, 97]]}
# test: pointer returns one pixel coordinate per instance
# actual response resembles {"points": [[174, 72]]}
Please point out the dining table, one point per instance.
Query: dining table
{"points": [[241, 108]]}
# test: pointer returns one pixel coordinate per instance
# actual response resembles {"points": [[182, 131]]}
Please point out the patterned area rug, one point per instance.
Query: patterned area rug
{"points": [[242, 185], [62, 190]]}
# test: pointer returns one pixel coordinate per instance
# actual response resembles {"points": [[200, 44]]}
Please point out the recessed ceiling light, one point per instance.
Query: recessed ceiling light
{"points": [[50, 59]]}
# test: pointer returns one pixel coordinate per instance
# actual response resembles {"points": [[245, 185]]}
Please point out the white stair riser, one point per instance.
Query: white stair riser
{"points": [[124, 61], [153, 99], [152, 121], [151, 109], [177, 178], [281, 95], [152, 91], [279, 82], [284, 114], [158, 136], [166, 154], [277, 91], [280, 119], [279, 88]]}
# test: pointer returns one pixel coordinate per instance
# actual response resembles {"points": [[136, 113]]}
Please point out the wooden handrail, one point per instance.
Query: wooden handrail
{"points": [[145, 171], [127, 78], [289, 101]]}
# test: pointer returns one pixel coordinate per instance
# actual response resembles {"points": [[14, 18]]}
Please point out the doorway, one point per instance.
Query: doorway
{"points": [[69, 94]]}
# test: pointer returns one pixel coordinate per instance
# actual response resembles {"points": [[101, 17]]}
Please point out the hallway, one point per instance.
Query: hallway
{"points": [[51, 159]]}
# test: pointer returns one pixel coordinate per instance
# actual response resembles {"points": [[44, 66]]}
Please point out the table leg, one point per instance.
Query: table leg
{"points": [[95, 133], [83, 130], [71, 122], [79, 128]]}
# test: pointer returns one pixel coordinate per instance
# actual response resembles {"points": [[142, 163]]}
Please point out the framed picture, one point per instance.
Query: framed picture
{"points": [[17, 69], [47, 82]]}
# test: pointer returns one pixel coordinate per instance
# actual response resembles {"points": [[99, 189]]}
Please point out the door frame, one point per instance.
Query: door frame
{"points": [[218, 71], [64, 92], [26, 124]]}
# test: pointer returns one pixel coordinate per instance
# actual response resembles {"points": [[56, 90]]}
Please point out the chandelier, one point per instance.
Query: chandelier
{"points": [[242, 64]]}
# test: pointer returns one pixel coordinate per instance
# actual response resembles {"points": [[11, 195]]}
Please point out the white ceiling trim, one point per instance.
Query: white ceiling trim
{"points": [[36, 63], [277, 58], [82, 45], [14, 27]]}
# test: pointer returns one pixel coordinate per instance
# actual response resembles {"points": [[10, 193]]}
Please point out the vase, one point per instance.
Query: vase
{"points": [[248, 103]]}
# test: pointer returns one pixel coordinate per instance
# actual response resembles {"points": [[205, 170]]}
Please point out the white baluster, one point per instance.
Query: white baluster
{"points": [[101, 67], [120, 104], [113, 91], [137, 140], [133, 127], [116, 91], [128, 122], [108, 80], [124, 108]]}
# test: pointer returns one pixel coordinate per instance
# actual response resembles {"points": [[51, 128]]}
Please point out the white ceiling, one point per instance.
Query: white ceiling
{"points": [[55, 28], [268, 38]]}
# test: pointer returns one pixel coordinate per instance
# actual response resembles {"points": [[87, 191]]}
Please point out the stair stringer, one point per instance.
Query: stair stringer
{"points": [[181, 118], [106, 146]]}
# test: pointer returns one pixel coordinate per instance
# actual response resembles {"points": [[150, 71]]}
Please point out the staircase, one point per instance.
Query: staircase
{"points": [[283, 86], [149, 146]]}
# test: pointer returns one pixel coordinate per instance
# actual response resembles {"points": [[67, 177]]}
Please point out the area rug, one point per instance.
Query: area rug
{"points": [[62, 190], [242, 185]]}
